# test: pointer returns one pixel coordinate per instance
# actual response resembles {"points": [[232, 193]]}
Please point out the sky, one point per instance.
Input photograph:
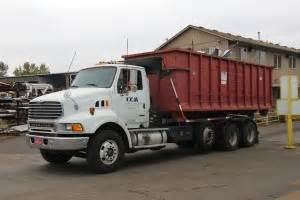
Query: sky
{"points": [[50, 31]]}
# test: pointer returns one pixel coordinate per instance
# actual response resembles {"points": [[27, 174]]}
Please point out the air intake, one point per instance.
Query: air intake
{"points": [[45, 110]]}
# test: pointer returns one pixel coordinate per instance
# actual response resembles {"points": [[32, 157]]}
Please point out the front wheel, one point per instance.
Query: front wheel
{"points": [[55, 157], [105, 152]]}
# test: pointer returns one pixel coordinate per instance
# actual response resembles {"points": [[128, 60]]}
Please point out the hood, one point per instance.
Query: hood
{"points": [[74, 93]]}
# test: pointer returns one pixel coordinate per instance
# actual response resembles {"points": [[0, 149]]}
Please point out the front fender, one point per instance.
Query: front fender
{"points": [[92, 123]]}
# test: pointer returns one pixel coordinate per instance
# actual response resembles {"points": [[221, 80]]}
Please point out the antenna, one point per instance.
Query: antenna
{"points": [[71, 63], [127, 46], [69, 68], [67, 93]]}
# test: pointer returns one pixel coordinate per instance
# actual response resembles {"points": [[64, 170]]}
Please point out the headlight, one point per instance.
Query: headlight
{"points": [[76, 127]]}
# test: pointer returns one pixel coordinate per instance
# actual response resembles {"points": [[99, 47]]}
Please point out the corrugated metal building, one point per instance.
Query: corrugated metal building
{"points": [[59, 81]]}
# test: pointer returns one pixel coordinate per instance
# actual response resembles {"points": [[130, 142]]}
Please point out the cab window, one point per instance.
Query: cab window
{"points": [[130, 80]]}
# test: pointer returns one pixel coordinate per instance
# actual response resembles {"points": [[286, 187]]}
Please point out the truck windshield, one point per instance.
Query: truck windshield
{"points": [[101, 77]]}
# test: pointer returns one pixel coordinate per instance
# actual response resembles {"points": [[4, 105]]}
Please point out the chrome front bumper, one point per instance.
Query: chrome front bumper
{"points": [[57, 143]]}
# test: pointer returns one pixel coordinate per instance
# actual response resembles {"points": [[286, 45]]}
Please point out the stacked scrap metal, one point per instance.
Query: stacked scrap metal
{"points": [[14, 100]]}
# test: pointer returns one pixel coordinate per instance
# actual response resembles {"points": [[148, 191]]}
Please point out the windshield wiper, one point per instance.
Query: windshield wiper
{"points": [[92, 84], [75, 86]]}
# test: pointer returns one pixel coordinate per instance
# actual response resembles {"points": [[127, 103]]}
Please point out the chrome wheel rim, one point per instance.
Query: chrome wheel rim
{"points": [[233, 138], [251, 136], [109, 152], [208, 135]]}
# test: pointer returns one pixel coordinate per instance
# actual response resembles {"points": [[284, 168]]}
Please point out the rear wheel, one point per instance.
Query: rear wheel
{"points": [[105, 152], [230, 137], [205, 137], [249, 134], [55, 157]]}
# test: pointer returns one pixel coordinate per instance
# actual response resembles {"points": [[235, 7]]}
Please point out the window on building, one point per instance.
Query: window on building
{"points": [[261, 57], [204, 50], [244, 54], [277, 61], [292, 62], [215, 51]]}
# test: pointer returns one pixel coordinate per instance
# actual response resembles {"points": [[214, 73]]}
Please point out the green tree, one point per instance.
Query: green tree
{"points": [[3, 69], [31, 69]]}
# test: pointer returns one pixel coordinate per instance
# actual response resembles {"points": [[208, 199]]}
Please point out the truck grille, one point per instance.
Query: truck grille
{"points": [[45, 110]]}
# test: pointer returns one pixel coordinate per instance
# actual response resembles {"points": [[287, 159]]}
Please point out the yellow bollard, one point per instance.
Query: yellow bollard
{"points": [[291, 140]]}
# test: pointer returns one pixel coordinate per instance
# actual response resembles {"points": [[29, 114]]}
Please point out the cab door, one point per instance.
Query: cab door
{"points": [[132, 96]]}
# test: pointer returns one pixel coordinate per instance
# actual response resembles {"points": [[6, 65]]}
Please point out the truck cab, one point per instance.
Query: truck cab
{"points": [[114, 97]]}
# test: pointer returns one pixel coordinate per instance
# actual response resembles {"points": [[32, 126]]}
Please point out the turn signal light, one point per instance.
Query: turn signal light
{"points": [[77, 128]]}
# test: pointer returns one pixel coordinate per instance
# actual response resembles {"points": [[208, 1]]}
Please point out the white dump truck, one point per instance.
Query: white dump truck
{"points": [[113, 109]]}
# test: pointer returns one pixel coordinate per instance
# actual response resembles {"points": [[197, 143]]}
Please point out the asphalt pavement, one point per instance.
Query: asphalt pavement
{"points": [[265, 171]]}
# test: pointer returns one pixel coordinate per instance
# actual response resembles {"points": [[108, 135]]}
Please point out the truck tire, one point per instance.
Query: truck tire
{"points": [[249, 134], [205, 137], [105, 152], [55, 157], [230, 137]]}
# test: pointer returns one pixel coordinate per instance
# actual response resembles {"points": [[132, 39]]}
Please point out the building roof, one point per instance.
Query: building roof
{"points": [[234, 38], [35, 75]]}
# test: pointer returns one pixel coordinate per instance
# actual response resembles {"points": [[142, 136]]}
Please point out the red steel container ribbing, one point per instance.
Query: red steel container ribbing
{"points": [[207, 83]]}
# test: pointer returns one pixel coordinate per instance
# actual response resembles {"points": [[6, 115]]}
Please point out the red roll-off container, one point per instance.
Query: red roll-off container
{"points": [[204, 83]]}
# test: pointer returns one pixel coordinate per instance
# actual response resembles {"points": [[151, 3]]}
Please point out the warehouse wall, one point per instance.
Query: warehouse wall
{"points": [[196, 40]]}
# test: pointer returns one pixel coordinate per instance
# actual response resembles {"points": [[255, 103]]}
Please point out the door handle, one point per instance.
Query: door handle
{"points": [[144, 105]]}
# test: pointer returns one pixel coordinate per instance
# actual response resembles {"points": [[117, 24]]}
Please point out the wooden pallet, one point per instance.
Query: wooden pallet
{"points": [[271, 117]]}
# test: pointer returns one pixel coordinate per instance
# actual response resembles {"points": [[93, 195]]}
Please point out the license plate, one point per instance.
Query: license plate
{"points": [[38, 141]]}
